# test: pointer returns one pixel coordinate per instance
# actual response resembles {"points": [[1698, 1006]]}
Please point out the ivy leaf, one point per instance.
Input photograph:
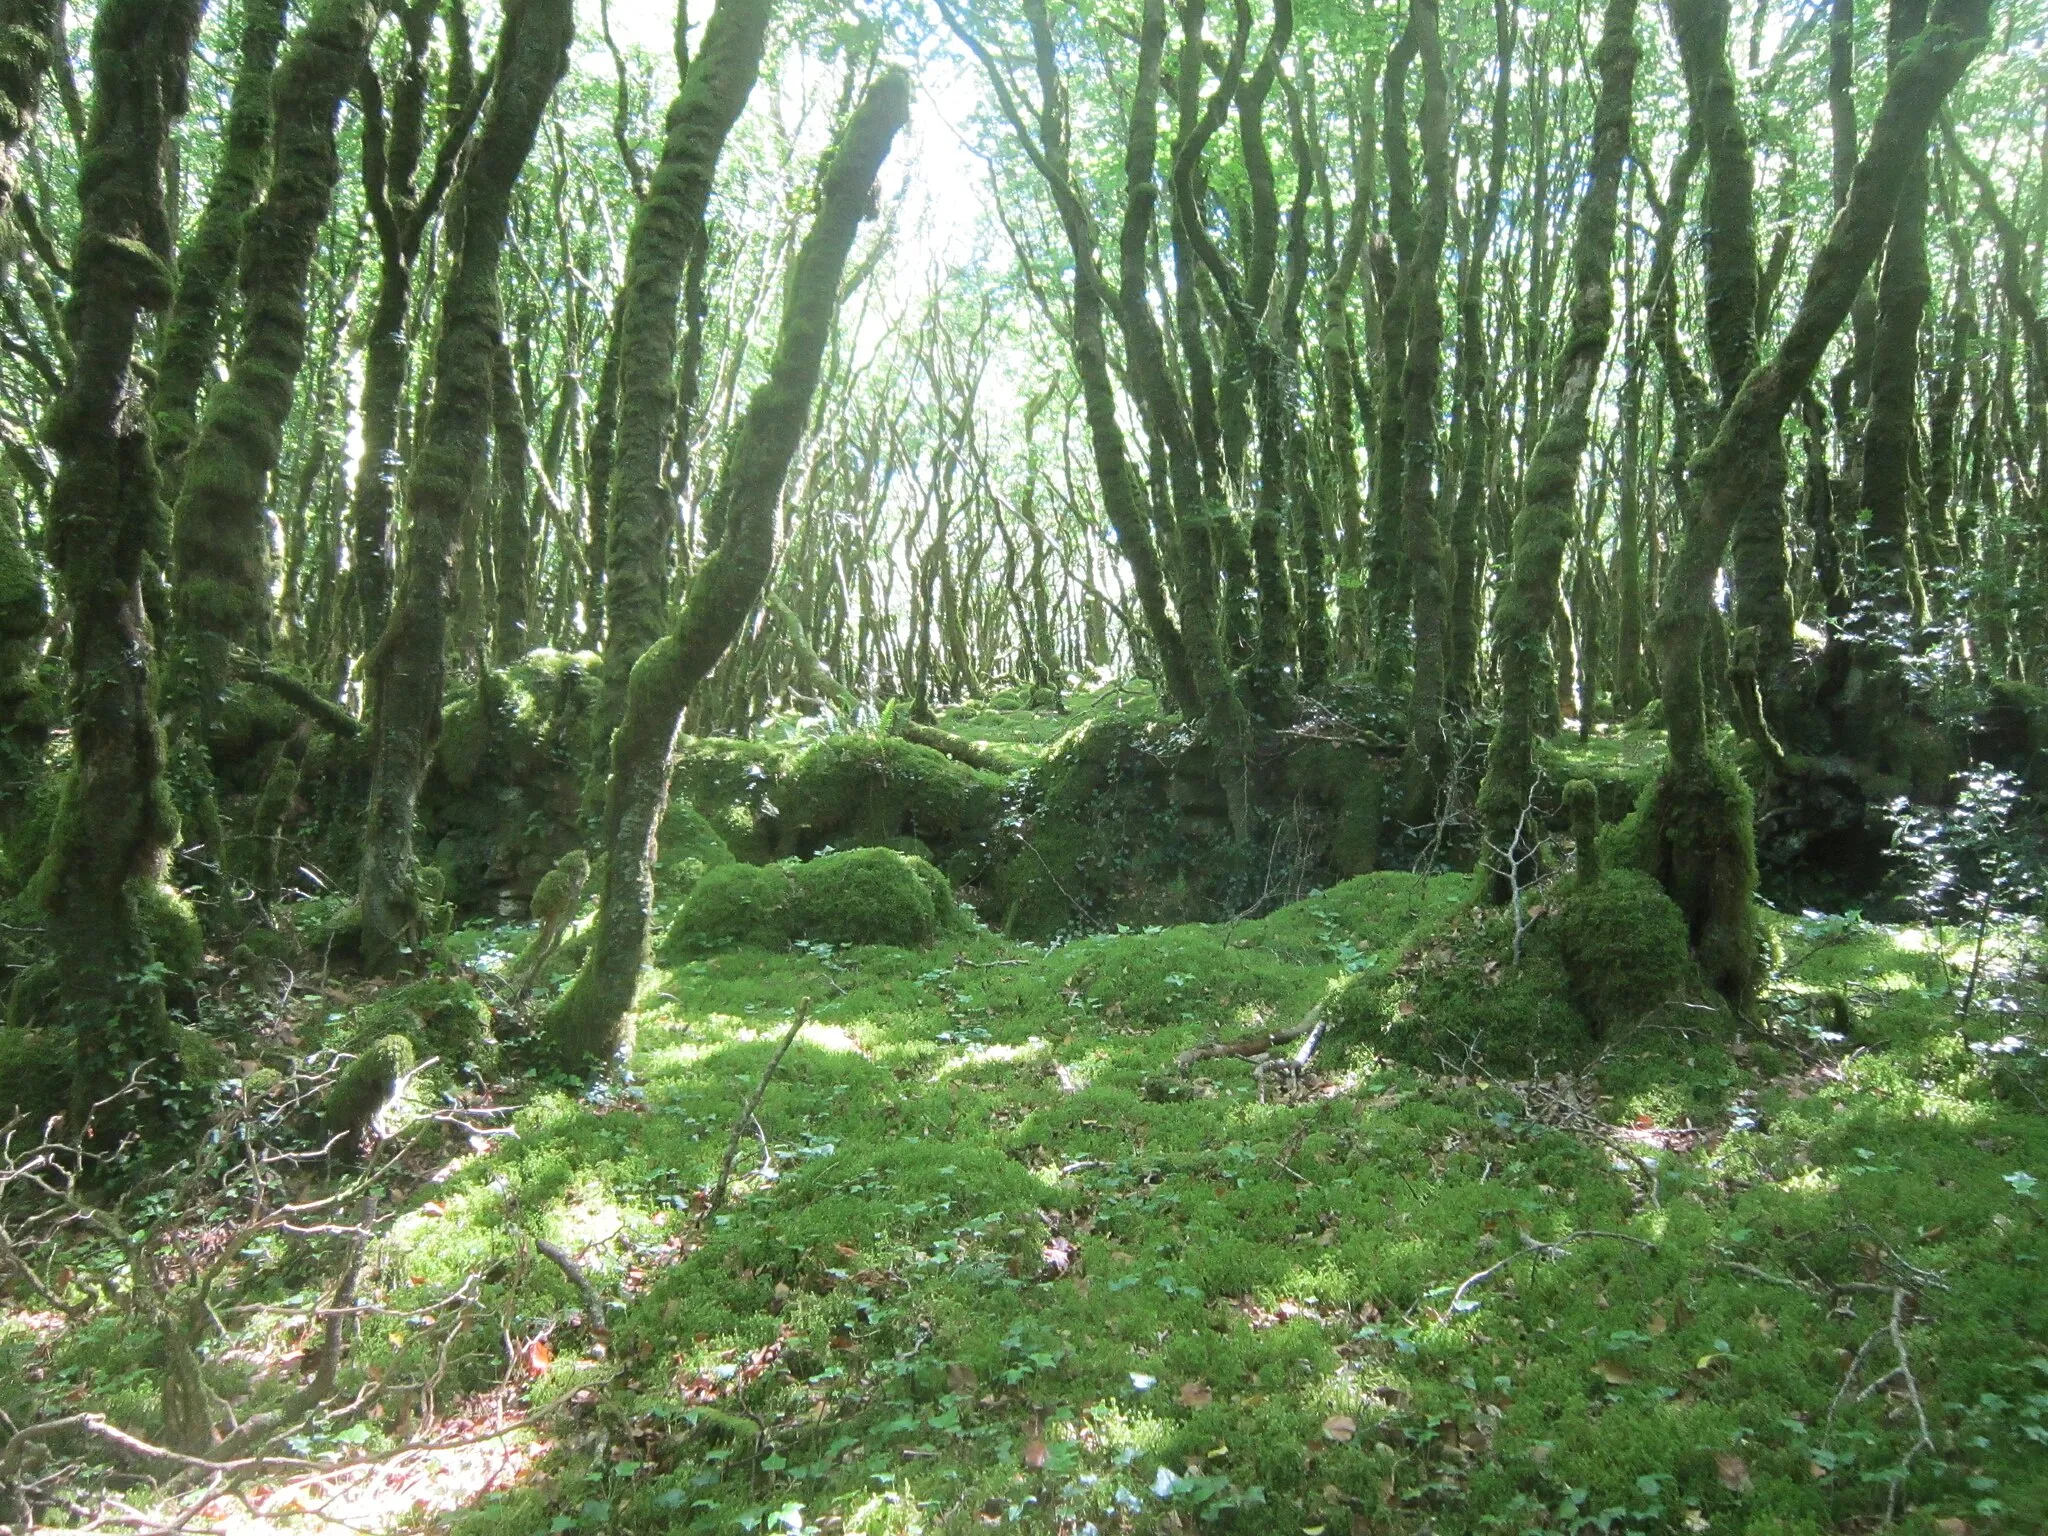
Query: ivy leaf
{"points": [[2024, 1185]]}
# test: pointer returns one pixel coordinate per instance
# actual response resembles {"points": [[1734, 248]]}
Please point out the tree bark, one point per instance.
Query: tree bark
{"points": [[110, 845], [592, 1022], [407, 668], [1546, 526]]}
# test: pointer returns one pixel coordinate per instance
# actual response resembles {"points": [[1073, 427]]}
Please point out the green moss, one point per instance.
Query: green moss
{"points": [[175, 936], [1623, 943], [946, 909], [734, 904], [1461, 1002], [866, 789], [35, 1074], [367, 1084], [687, 839], [445, 1019], [864, 896], [732, 784]]}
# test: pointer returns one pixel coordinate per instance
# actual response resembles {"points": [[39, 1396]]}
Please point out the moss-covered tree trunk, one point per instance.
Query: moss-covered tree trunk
{"points": [[1546, 525], [220, 534], [1422, 533], [401, 210], [511, 531], [1890, 584], [668, 235], [592, 1021], [1476, 430], [110, 846], [407, 668], [206, 263], [1387, 571], [1700, 842]]}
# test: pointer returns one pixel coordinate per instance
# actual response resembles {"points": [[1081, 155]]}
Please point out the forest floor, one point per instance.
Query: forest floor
{"points": [[992, 1257]]}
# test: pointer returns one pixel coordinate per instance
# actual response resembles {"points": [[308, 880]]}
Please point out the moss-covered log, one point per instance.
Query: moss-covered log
{"points": [[408, 666], [668, 233], [592, 1020], [1546, 525], [1700, 843], [113, 835]]}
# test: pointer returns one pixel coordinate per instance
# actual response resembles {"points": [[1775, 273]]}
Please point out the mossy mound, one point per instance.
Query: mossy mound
{"points": [[367, 1084], [1347, 783], [1594, 960], [442, 1018], [864, 896], [689, 845], [858, 896], [35, 1074], [866, 790], [732, 784], [734, 904], [1623, 944]]}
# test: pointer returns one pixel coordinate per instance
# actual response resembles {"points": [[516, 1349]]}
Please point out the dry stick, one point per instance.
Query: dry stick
{"points": [[739, 1126], [593, 1308], [1530, 1245]]}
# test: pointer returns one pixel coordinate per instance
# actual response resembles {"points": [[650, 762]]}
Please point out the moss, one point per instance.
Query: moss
{"points": [[1460, 1001], [734, 904], [1623, 944], [866, 789], [442, 1018], [1697, 837], [732, 784], [175, 936], [946, 909], [864, 896], [687, 839], [35, 1074], [367, 1084]]}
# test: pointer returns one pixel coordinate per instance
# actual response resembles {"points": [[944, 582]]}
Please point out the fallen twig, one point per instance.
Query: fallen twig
{"points": [[739, 1126], [1254, 1044], [593, 1308]]}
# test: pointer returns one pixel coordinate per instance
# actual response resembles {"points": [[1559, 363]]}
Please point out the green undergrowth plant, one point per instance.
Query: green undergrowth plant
{"points": [[985, 1270]]}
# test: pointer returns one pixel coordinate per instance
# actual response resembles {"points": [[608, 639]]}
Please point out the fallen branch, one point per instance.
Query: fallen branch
{"points": [[325, 713], [1255, 1044], [1557, 1250], [739, 1126], [593, 1308], [1893, 1330]]}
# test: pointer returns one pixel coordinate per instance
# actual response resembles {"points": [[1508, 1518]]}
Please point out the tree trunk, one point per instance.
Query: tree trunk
{"points": [[1546, 526], [668, 235], [206, 264], [110, 845], [592, 1021], [1701, 844], [406, 670]]}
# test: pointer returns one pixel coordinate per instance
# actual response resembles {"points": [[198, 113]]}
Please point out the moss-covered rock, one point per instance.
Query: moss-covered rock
{"points": [[367, 1084], [1460, 1000], [732, 784], [946, 907], [689, 845], [1623, 944], [442, 1018], [868, 790], [734, 904], [864, 896]]}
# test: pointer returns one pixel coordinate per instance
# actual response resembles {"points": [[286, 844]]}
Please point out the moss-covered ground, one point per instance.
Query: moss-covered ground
{"points": [[993, 1258]]}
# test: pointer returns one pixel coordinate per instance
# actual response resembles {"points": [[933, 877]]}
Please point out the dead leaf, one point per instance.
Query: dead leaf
{"points": [[1034, 1452], [1340, 1427], [960, 1377], [540, 1354], [846, 1250], [1196, 1394], [1614, 1373], [1732, 1470], [1406, 1008], [1949, 1525], [1764, 1323], [1656, 1326]]}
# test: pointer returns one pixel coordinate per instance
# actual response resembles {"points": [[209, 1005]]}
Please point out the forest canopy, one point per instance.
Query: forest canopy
{"points": [[1455, 584]]}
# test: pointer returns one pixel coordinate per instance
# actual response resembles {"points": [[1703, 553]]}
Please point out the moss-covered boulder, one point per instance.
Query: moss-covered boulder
{"points": [[1624, 947], [442, 1018], [1460, 1000], [864, 896], [733, 785], [857, 896], [734, 904], [867, 790], [367, 1084], [689, 845]]}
